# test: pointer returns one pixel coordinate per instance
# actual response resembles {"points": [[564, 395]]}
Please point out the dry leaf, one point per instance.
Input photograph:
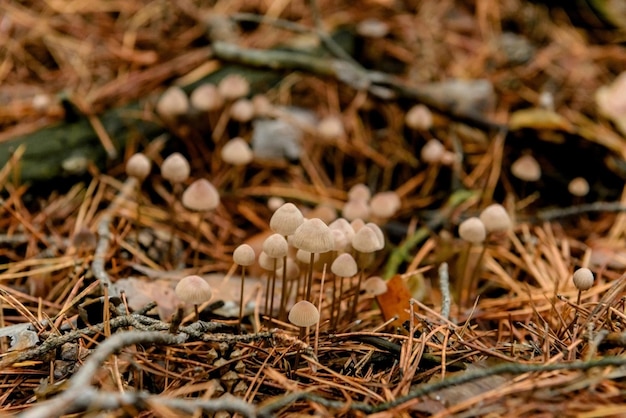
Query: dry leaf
{"points": [[539, 118], [395, 302]]}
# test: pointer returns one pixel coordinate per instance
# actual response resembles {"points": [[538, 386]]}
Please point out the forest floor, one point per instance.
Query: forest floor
{"points": [[447, 108]]}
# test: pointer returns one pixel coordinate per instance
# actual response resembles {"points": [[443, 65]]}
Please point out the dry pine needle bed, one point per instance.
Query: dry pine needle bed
{"points": [[263, 209]]}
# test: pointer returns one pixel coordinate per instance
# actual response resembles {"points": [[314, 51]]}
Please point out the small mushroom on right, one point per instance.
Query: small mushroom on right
{"points": [[583, 280]]}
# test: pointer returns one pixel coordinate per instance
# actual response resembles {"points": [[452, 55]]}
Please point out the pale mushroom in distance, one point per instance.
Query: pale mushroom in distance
{"points": [[419, 118], [175, 168], [526, 168], [138, 166], [473, 230], [233, 86], [374, 286], [432, 151], [242, 110], [384, 205], [578, 187], [207, 98], [201, 196], [330, 127], [495, 218], [237, 152], [193, 290], [173, 103], [359, 192]]}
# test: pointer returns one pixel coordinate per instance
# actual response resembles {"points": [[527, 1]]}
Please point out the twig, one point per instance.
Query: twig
{"points": [[458, 379], [80, 395], [552, 214]]}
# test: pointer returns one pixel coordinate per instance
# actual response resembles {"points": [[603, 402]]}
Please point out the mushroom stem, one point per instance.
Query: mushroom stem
{"points": [[273, 284], [176, 192], [309, 281], [197, 241], [283, 292], [241, 300], [355, 300]]}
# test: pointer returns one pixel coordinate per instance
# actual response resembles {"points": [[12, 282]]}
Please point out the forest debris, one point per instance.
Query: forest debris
{"points": [[611, 100]]}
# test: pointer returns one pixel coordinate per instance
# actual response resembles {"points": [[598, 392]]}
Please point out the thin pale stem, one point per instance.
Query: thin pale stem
{"points": [[241, 300], [197, 241], [309, 281]]}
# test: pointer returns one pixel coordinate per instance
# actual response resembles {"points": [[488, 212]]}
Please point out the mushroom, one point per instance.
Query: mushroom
{"points": [[138, 167], [201, 196], [526, 168], [276, 247], [243, 256], [344, 266], [473, 231], [285, 220], [495, 218], [172, 104], [384, 205], [313, 235], [583, 280], [175, 169], [193, 290], [419, 118]]}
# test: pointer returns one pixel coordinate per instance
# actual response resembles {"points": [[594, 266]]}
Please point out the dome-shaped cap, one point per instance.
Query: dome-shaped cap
{"points": [[495, 218], [359, 191], [233, 86], [207, 98], [473, 230], [526, 168], [172, 103], [269, 263], [356, 209], [237, 152], [344, 265], [244, 255], [419, 117], [286, 219], [175, 168], [432, 151], [385, 204], [193, 290], [138, 166], [313, 236], [242, 110], [275, 246], [366, 240], [583, 279], [304, 314], [374, 286], [200, 196], [330, 127]]}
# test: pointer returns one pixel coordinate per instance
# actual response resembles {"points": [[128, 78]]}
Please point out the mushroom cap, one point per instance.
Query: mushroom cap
{"points": [[244, 255], [578, 186], [372, 28], [138, 166], [262, 105], [356, 209], [286, 219], [193, 290], [200, 196], [359, 191], [385, 204], [206, 98], [323, 211], [432, 151], [374, 286], [275, 246], [274, 202], [269, 263], [344, 265], [242, 110], [172, 103], [237, 152], [293, 270], [473, 230], [495, 218], [526, 168], [304, 256], [330, 127], [419, 117], [313, 235], [366, 241], [304, 314], [583, 279], [233, 86], [379, 233], [175, 168]]}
